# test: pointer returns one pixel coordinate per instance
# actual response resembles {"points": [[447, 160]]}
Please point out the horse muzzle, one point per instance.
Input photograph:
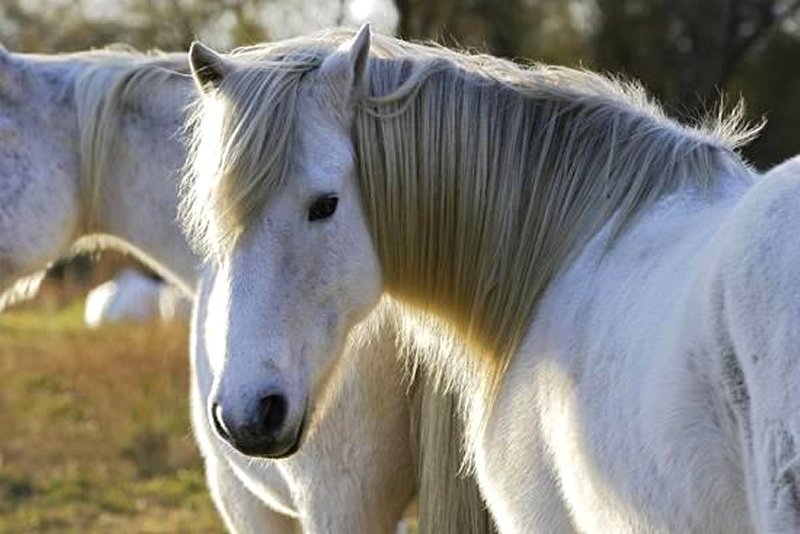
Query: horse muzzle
{"points": [[262, 430]]}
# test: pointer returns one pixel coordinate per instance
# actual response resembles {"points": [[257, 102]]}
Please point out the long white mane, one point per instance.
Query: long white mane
{"points": [[480, 178]]}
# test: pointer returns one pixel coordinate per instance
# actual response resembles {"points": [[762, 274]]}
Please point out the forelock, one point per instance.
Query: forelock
{"points": [[241, 145]]}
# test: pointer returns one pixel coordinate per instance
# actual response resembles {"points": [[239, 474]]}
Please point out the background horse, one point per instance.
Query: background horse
{"points": [[72, 167], [628, 286], [133, 296], [92, 148]]}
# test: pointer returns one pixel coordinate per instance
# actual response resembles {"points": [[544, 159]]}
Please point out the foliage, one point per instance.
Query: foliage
{"points": [[69, 25], [686, 52], [689, 53]]}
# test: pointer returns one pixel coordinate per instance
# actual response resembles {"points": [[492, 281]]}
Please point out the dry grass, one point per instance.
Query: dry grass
{"points": [[95, 434]]}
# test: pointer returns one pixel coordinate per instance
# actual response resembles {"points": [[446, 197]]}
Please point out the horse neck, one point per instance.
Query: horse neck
{"points": [[478, 199], [138, 195]]}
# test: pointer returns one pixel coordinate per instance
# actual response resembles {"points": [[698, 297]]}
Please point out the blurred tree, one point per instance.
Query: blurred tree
{"points": [[686, 52], [547, 30], [67, 25], [771, 87], [62, 26], [174, 24]]}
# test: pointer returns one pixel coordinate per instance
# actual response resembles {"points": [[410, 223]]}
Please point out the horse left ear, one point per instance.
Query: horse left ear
{"points": [[208, 67], [346, 68]]}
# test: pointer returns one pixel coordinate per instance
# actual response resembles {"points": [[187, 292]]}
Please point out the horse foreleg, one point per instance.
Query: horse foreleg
{"points": [[357, 473], [242, 511], [519, 482]]}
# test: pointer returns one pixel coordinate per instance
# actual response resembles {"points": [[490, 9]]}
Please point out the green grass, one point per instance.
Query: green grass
{"points": [[95, 434]]}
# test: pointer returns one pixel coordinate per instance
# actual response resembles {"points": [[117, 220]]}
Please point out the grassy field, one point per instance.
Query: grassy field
{"points": [[95, 434]]}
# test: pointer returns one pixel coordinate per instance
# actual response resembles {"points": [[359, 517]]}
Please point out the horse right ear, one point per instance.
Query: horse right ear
{"points": [[208, 67], [346, 69]]}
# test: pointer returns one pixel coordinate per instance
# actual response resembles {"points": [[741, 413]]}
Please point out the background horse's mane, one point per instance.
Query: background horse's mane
{"points": [[509, 170], [107, 81], [111, 78]]}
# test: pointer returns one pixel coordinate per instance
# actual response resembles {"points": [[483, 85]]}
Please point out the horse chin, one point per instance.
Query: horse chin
{"points": [[298, 439]]}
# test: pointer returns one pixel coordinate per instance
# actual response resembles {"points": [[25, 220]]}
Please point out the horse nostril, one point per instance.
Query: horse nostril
{"points": [[219, 426], [273, 410]]}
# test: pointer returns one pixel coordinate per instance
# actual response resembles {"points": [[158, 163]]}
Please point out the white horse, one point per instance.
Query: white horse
{"points": [[132, 296], [90, 152], [173, 304], [628, 286]]}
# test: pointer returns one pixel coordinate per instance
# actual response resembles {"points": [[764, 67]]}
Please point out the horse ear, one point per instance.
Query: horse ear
{"points": [[346, 69], [208, 67]]}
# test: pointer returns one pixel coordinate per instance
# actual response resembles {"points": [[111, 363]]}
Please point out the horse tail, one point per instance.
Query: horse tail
{"points": [[448, 497]]}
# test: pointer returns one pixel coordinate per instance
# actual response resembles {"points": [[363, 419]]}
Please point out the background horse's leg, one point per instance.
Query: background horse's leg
{"points": [[242, 511]]}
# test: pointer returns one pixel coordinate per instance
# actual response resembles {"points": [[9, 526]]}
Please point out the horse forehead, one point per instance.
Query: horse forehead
{"points": [[326, 172], [325, 146], [319, 125]]}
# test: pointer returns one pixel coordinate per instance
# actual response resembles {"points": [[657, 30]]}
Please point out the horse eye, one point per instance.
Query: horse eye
{"points": [[323, 207]]}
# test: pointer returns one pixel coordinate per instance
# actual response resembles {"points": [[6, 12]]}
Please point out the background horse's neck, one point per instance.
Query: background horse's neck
{"points": [[137, 193]]}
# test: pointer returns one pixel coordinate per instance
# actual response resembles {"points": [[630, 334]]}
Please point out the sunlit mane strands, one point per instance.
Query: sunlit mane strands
{"points": [[479, 178], [508, 178]]}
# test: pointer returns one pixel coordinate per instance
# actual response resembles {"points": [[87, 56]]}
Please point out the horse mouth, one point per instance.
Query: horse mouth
{"points": [[298, 440]]}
